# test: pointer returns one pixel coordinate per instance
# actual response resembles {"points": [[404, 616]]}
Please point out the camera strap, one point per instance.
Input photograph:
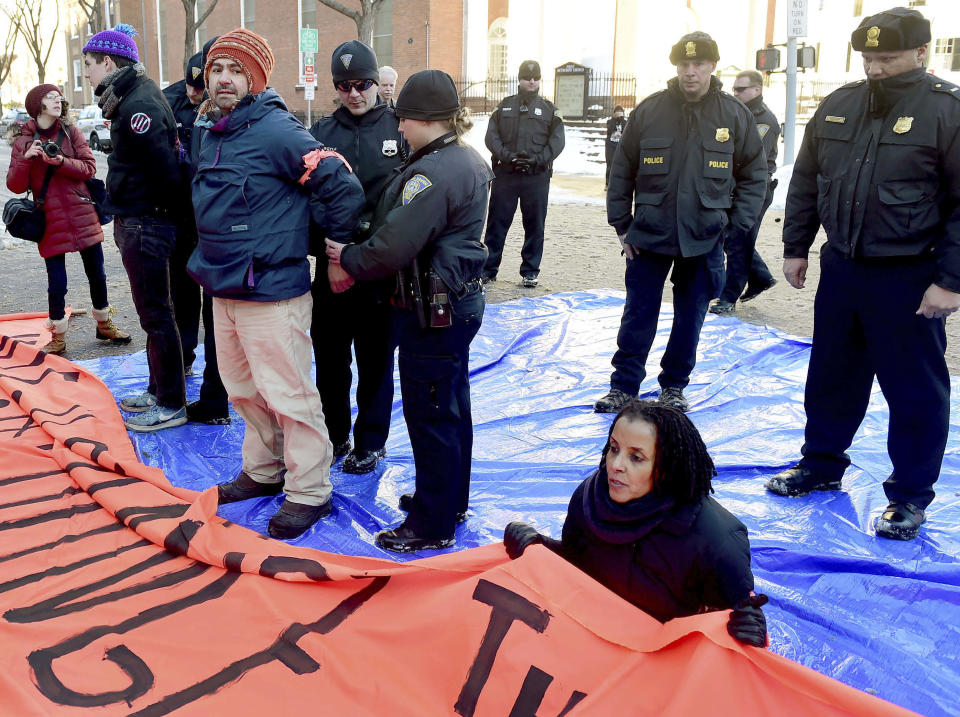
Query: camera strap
{"points": [[41, 197]]}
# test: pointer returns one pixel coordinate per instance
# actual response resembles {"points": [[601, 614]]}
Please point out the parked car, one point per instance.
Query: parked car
{"points": [[12, 122], [95, 128]]}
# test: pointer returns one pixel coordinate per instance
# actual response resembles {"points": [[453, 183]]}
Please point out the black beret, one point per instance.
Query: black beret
{"points": [[354, 61], [428, 95], [529, 70], [194, 74], [695, 46], [891, 31]]}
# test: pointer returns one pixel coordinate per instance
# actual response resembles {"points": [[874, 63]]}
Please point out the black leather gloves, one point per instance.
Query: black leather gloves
{"points": [[521, 162], [747, 623], [518, 536]]}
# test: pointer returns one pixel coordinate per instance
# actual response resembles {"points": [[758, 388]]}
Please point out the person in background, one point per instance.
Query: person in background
{"points": [[615, 127], [644, 525], [747, 273], [427, 227], [365, 131], [260, 178], [145, 194], [388, 84], [72, 223]]}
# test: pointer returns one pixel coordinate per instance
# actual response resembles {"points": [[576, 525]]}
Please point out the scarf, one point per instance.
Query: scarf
{"points": [[621, 523], [886, 92], [115, 85]]}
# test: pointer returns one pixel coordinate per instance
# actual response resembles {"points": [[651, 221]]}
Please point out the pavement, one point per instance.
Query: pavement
{"points": [[581, 252]]}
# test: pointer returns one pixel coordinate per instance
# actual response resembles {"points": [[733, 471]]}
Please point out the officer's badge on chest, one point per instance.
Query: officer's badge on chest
{"points": [[389, 148], [723, 134], [903, 125], [537, 111]]}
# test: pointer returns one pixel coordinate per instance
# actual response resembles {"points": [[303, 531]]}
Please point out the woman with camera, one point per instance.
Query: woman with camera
{"points": [[51, 159]]}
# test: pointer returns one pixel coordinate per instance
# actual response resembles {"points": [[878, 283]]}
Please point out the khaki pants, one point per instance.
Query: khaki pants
{"points": [[264, 352]]}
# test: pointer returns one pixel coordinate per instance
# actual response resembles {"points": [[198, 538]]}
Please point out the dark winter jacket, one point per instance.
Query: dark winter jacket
{"points": [[260, 178], [669, 560], [884, 181], [685, 170], [769, 131], [525, 123], [433, 209], [72, 221], [145, 176]]}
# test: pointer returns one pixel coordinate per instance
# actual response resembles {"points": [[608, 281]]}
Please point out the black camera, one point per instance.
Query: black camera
{"points": [[52, 149]]}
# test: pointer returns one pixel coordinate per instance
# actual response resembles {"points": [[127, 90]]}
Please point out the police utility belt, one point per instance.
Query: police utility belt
{"points": [[426, 294]]}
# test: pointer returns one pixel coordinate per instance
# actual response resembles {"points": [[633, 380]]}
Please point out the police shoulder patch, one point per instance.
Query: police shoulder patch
{"points": [[764, 128], [416, 184]]}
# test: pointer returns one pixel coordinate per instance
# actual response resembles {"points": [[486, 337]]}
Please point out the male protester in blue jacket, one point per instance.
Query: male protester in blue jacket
{"points": [[260, 178]]}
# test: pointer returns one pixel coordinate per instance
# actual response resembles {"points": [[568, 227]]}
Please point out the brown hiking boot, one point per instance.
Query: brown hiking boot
{"points": [[57, 345], [106, 329]]}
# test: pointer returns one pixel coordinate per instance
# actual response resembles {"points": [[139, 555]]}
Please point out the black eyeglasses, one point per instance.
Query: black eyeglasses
{"points": [[358, 85], [744, 89]]}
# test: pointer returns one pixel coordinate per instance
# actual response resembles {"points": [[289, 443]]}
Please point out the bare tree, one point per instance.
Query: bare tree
{"points": [[190, 33], [363, 17], [9, 46], [29, 13], [93, 11]]}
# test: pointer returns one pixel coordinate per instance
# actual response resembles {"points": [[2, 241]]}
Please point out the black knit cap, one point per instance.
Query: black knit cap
{"points": [[695, 46], [892, 30], [354, 61], [529, 70], [194, 73], [428, 95]]}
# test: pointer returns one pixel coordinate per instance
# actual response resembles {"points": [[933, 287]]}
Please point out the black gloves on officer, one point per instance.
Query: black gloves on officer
{"points": [[518, 536], [747, 623], [521, 162]]}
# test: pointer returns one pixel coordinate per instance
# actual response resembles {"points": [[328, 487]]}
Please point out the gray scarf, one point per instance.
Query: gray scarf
{"points": [[114, 86]]}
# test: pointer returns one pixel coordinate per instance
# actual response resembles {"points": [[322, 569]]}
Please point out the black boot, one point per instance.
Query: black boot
{"points": [[362, 461], [798, 481], [293, 519], [900, 521], [243, 487], [404, 540], [406, 503]]}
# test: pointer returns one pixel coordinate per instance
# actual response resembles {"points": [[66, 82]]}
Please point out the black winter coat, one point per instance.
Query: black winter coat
{"points": [[685, 170], [525, 123], [769, 131], [883, 181], [670, 561]]}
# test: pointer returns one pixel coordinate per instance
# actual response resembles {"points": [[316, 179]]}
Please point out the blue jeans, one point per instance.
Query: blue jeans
{"points": [[92, 258], [146, 244]]}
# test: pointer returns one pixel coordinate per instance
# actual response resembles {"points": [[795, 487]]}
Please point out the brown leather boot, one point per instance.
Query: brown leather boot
{"points": [[58, 343], [106, 329]]}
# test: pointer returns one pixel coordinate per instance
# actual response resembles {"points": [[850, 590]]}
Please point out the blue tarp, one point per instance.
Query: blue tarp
{"points": [[880, 615]]}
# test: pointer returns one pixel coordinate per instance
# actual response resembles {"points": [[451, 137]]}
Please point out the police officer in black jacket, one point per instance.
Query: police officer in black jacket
{"points": [[879, 169], [689, 168], [525, 135], [427, 226], [364, 130], [747, 273]]}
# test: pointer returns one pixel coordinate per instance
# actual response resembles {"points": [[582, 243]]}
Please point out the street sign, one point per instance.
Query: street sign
{"points": [[796, 18], [308, 69], [308, 58], [308, 40], [308, 92]]}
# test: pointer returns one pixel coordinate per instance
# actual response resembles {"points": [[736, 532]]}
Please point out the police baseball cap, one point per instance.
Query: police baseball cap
{"points": [[529, 70], [428, 95], [695, 46], [354, 61], [892, 30], [194, 74]]}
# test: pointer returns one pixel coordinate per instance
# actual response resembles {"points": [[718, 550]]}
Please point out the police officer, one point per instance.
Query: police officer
{"points": [[745, 267], [427, 226], [690, 166], [615, 127], [879, 169], [525, 135], [364, 130]]}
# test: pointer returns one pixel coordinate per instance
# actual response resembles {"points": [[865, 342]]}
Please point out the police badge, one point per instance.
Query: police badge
{"points": [[723, 134], [345, 59], [903, 125], [873, 37], [691, 49], [389, 148]]}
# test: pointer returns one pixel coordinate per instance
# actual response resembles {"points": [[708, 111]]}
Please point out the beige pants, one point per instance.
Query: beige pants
{"points": [[265, 353]]}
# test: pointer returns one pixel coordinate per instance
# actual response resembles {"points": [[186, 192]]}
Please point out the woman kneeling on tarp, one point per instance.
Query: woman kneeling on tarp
{"points": [[644, 525]]}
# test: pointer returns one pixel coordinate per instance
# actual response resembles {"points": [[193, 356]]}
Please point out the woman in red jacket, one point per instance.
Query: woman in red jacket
{"points": [[72, 220]]}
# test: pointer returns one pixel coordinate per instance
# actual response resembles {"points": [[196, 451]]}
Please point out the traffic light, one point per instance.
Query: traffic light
{"points": [[806, 56], [768, 60]]}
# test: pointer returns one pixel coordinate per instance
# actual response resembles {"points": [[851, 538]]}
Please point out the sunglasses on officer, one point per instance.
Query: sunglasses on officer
{"points": [[744, 88], [358, 85]]}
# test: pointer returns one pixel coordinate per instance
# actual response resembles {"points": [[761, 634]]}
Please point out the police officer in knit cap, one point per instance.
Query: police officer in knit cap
{"points": [[365, 131], [427, 226], [525, 135], [690, 167], [879, 170]]}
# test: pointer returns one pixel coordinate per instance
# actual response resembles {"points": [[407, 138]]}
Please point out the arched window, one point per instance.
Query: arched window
{"points": [[497, 58]]}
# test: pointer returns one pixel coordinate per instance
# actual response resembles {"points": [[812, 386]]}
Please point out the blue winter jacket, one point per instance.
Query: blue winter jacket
{"points": [[260, 178]]}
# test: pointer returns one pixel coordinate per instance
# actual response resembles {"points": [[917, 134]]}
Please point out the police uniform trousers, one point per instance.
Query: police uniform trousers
{"points": [[361, 318], [531, 191], [696, 280], [865, 325], [435, 386], [744, 263]]}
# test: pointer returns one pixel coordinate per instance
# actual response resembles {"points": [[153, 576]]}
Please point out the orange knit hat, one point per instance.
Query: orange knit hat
{"points": [[248, 50]]}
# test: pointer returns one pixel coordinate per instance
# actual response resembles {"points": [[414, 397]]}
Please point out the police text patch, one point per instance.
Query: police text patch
{"points": [[416, 184]]}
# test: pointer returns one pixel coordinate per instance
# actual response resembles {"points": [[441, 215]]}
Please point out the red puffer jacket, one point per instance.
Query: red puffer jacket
{"points": [[72, 221]]}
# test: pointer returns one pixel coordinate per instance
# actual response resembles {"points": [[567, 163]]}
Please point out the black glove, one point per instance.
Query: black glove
{"points": [[747, 623], [518, 536]]}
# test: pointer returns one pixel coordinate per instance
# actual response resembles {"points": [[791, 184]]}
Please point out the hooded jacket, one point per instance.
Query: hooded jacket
{"points": [[260, 178], [72, 221]]}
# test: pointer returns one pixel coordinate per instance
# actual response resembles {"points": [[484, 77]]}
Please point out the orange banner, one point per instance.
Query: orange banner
{"points": [[122, 594]]}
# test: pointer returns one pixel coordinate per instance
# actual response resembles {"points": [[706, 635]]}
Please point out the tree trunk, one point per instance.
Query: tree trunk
{"points": [[362, 19], [190, 28]]}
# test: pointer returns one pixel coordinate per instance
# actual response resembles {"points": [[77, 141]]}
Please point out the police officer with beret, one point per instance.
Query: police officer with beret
{"points": [[690, 167], [879, 169], [427, 226], [525, 135], [364, 130]]}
